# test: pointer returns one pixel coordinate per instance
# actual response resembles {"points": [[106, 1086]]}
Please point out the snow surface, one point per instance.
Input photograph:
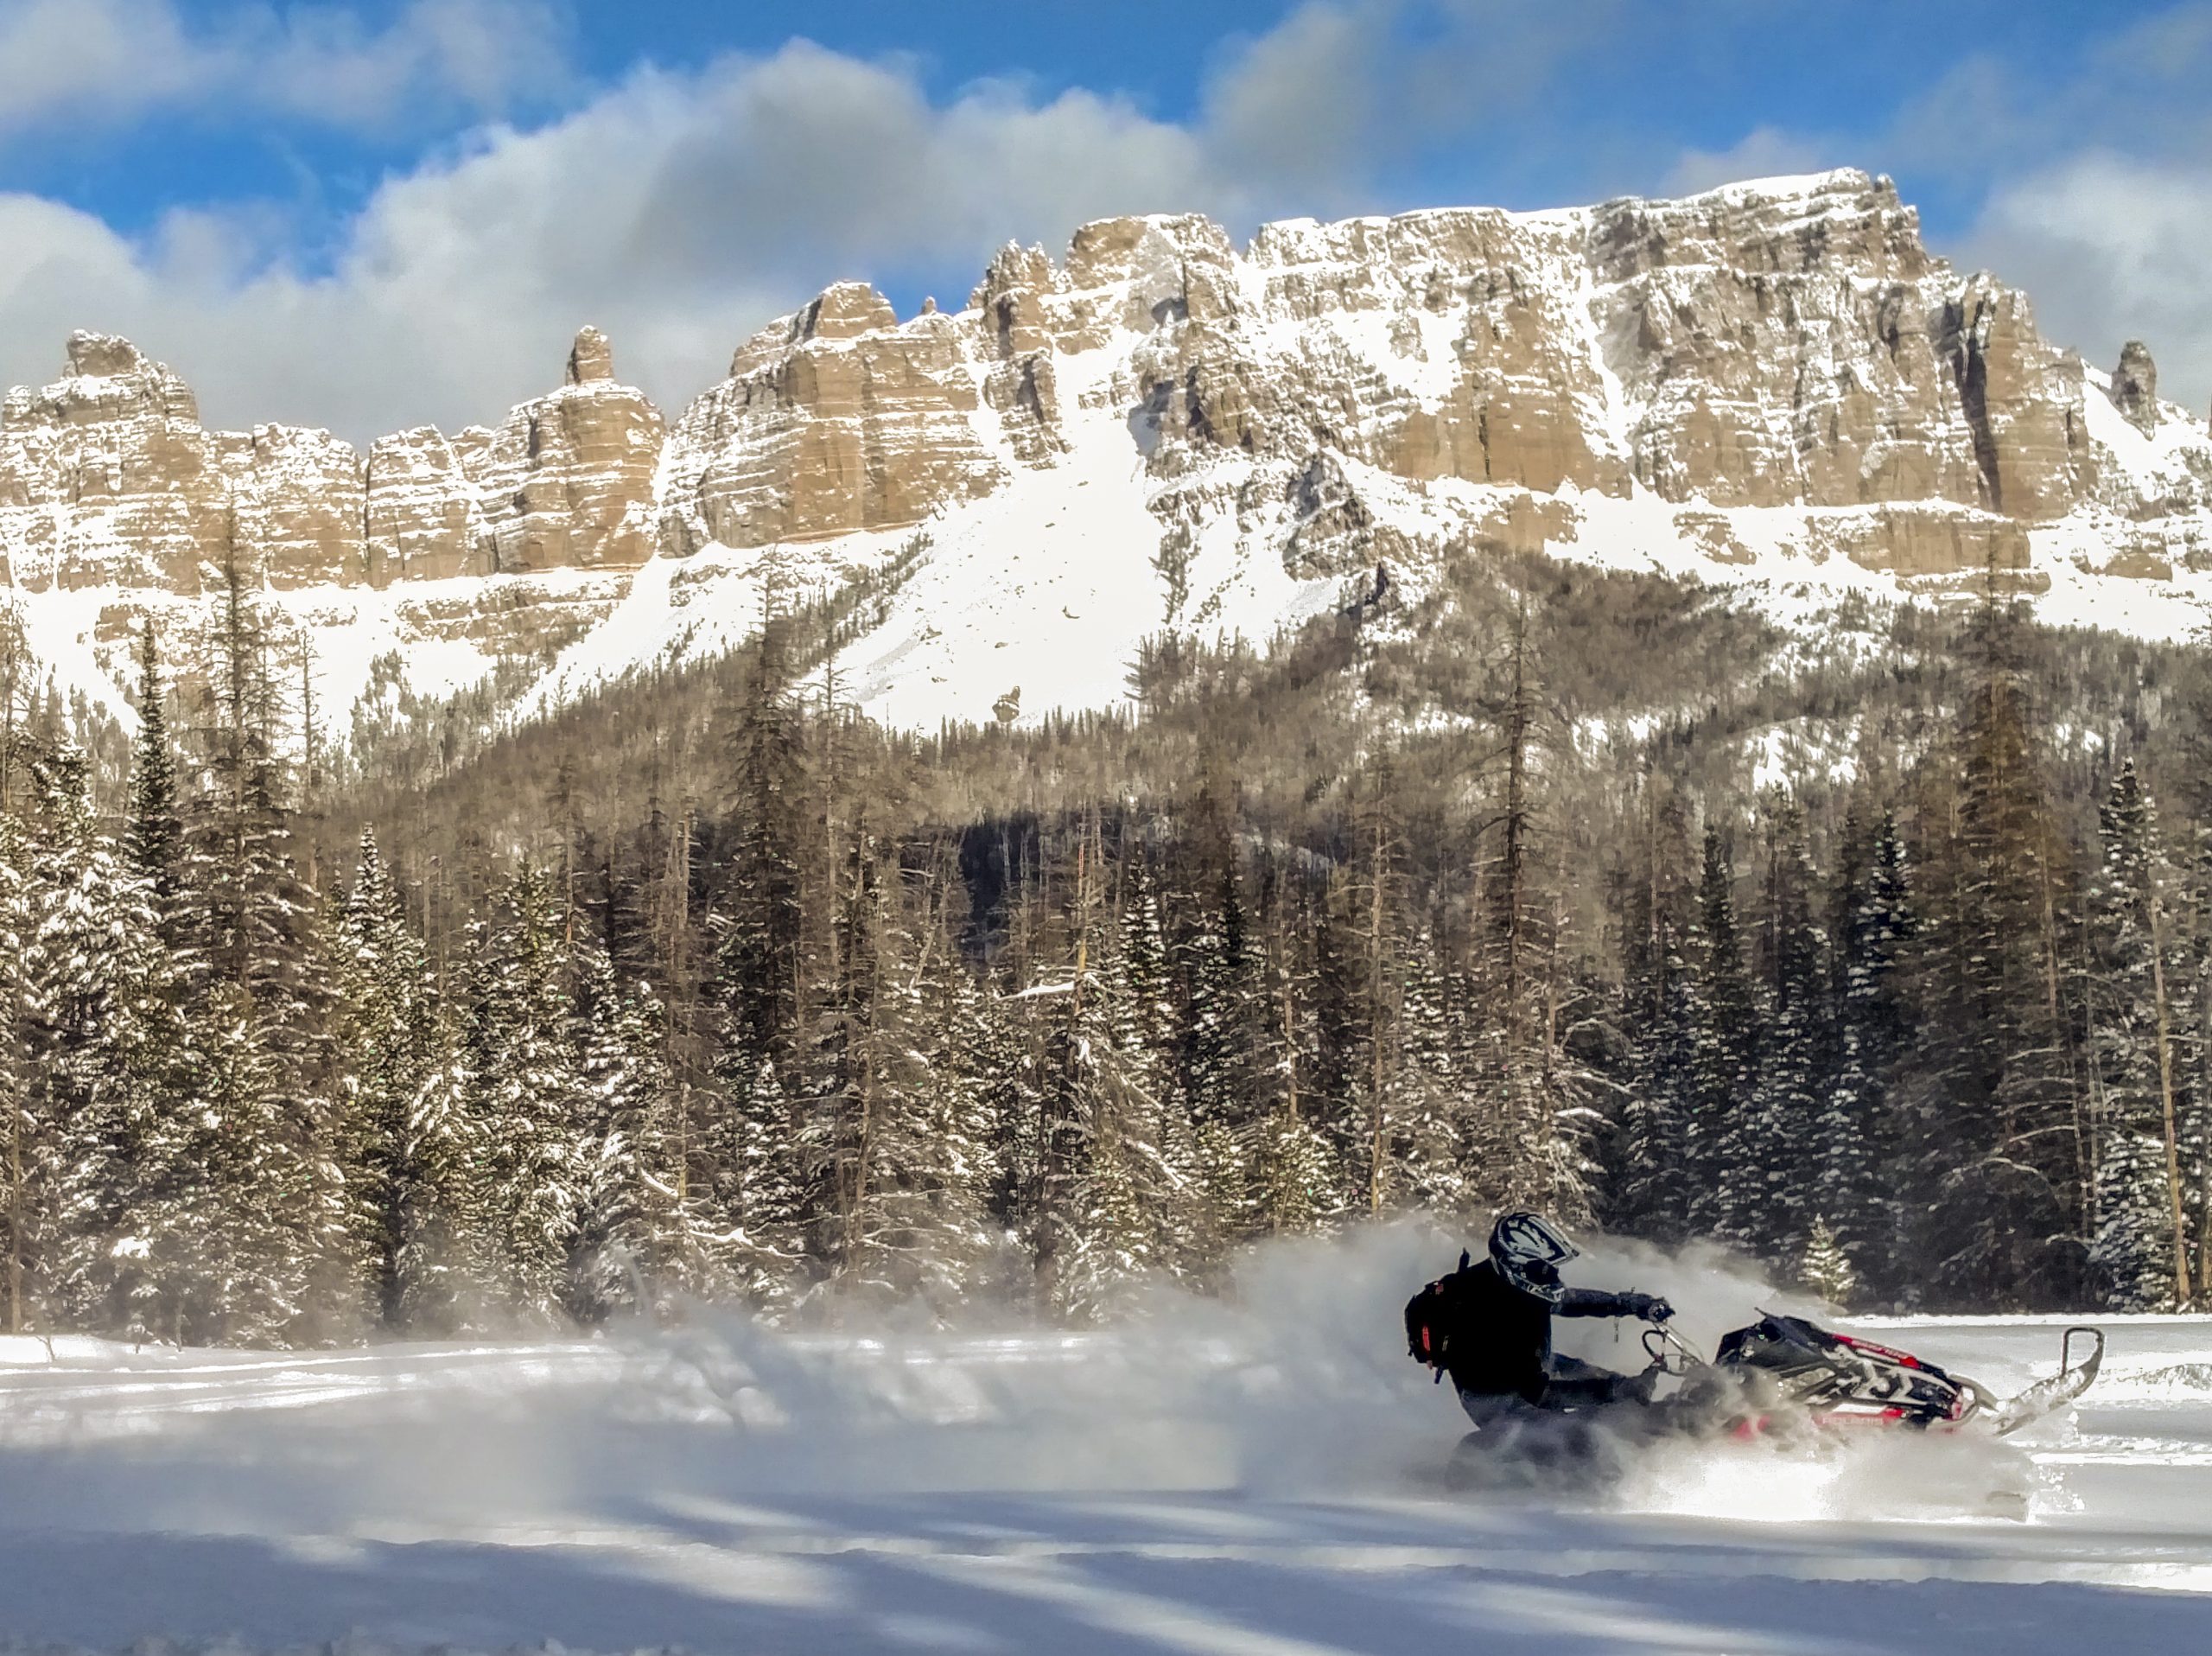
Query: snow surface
{"points": [[1210, 1479]]}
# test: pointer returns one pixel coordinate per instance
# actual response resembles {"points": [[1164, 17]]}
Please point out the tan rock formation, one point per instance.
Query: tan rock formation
{"points": [[2135, 387], [1329, 395], [834, 420], [108, 478]]}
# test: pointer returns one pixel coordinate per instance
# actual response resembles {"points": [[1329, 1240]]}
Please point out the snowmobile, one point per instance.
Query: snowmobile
{"points": [[1783, 1380], [1784, 1372]]}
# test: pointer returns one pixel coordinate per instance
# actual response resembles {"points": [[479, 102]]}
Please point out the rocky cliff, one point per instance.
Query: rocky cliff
{"points": [[1773, 383]]}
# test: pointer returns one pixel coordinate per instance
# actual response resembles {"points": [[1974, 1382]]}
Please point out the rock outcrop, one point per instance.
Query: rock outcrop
{"points": [[1768, 371], [107, 478], [2135, 387], [835, 420]]}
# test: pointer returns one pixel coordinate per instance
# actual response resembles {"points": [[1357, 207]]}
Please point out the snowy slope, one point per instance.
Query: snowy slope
{"points": [[1212, 1481], [1761, 387]]}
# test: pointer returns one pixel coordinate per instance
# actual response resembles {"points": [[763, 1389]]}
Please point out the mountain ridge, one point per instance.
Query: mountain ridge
{"points": [[1772, 383]]}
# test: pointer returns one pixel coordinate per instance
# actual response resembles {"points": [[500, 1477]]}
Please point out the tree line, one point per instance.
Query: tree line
{"points": [[797, 1035]]}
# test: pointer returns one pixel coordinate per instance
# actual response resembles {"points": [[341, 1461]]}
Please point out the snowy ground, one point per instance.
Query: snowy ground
{"points": [[1212, 1482]]}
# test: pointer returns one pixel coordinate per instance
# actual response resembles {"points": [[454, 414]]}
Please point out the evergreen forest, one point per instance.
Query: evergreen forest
{"points": [[1878, 949]]}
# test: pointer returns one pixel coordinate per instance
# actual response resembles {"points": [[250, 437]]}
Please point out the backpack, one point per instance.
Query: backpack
{"points": [[1433, 1319]]}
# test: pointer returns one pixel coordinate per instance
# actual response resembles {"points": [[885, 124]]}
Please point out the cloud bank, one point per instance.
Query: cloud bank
{"points": [[681, 209]]}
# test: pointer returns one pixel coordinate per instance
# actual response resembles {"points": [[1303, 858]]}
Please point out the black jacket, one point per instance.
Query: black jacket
{"points": [[1494, 1339]]}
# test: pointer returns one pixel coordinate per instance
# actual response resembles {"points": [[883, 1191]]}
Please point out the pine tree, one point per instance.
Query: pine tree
{"points": [[163, 1213], [389, 1030], [100, 1047], [1650, 1180], [1786, 1104], [1427, 1108], [524, 1103], [1221, 1077], [760, 1201], [2132, 1254], [260, 989], [1297, 1179], [1721, 1148], [1825, 1267], [759, 959], [1997, 1144], [1854, 1141], [2132, 1040], [445, 1251], [625, 1209]]}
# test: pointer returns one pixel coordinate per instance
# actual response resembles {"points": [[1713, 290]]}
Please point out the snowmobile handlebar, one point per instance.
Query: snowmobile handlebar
{"points": [[1669, 1352]]}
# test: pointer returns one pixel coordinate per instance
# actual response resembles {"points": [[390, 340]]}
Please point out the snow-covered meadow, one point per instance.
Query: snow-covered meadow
{"points": [[1209, 1479]]}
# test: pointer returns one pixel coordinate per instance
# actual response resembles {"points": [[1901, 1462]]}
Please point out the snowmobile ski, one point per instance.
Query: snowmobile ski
{"points": [[2072, 1379]]}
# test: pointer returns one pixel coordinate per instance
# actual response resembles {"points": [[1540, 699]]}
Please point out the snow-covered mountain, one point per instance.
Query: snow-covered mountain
{"points": [[1772, 384]]}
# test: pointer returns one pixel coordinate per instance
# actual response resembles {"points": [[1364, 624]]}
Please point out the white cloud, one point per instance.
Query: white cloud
{"points": [[678, 212], [96, 62], [1764, 152], [1299, 102], [681, 210], [2090, 174], [79, 59], [2111, 248]]}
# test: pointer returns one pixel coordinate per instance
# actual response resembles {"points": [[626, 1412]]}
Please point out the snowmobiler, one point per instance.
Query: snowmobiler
{"points": [[1489, 1327], [1537, 1415]]}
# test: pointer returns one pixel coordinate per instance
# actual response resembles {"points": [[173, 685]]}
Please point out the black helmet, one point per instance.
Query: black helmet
{"points": [[1527, 1250]]}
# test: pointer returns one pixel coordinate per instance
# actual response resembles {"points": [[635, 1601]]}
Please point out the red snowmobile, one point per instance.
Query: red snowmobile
{"points": [[1786, 1371], [1781, 1380]]}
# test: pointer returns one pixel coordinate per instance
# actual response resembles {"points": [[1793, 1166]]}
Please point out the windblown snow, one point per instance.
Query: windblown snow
{"points": [[1205, 1480]]}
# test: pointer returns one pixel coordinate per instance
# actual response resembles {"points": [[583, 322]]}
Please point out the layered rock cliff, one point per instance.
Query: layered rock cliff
{"points": [[1772, 382]]}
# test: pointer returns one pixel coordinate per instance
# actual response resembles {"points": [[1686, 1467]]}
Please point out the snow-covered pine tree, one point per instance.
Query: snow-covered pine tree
{"points": [[153, 836], [1297, 1179], [625, 1217], [1655, 1182], [1219, 1042], [388, 1029], [1427, 1108], [1297, 1183], [919, 1213], [2132, 1254], [253, 943], [1091, 1237], [96, 993], [2132, 1062], [1786, 1097], [161, 1228], [1994, 1170], [20, 1146], [758, 964], [1824, 1267], [1157, 1151], [954, 1167], [1854, 1141], [1338, 1059], [1721, 1140], [1649, 1186], [523, 1101], [443, 1248]]}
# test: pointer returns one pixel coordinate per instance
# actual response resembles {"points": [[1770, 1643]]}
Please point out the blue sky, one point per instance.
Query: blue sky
{"points": [[368, 215]]}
